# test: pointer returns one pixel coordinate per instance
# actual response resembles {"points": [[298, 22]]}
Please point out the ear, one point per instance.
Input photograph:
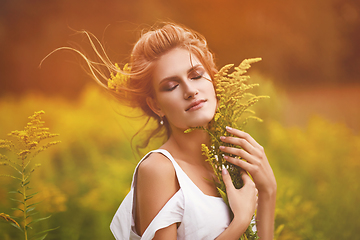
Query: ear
{"points": [[154, 106]]}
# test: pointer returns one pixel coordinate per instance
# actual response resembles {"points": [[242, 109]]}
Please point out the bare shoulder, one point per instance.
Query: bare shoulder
{"points": [[156, 167], [156, 184], [156, 178]]}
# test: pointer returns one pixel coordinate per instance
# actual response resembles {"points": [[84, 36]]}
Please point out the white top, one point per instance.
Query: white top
{"points": [[200, 216]]}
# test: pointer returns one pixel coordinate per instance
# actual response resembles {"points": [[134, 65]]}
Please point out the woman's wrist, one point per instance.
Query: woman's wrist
{"points": [[236, 228], [266, 213], [241, 222], [269, 192]]}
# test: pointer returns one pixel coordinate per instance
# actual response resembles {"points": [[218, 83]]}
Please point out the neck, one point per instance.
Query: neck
{"points": [[187, 146]]}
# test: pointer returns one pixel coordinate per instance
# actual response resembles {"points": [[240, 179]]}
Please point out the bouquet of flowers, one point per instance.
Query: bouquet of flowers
{"points": [[233, 110]]}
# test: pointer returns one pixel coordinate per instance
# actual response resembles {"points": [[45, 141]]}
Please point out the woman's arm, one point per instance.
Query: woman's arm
{"points": [[266, 214], [156, 183], [257, 164]]}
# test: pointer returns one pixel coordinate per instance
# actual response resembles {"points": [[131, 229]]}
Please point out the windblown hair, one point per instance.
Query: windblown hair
{"points": [[151, 46]]}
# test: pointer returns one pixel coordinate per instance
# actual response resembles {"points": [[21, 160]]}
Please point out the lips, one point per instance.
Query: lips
{"points": [[196, 105]]}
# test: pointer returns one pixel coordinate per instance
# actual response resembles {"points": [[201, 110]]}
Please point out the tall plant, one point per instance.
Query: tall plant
{"points": [[26, 145]]}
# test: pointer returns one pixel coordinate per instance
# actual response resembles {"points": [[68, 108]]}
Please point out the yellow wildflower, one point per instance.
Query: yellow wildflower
{"points": [[121, 77], [26, 146]]}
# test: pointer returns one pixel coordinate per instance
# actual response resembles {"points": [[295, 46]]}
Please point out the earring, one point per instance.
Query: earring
{"points": [[161, 121]]}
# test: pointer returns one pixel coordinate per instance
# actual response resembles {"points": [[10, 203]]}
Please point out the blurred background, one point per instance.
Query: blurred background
{"points": [[310, 70]]}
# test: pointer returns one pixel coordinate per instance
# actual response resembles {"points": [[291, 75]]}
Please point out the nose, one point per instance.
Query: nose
{"points": [[190, 91]]}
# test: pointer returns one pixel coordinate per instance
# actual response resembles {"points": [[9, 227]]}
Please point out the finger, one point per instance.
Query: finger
{"points": [[246, 178], [238, 152], [240, 163], [227, 179], [239, 142], [242, 134]]}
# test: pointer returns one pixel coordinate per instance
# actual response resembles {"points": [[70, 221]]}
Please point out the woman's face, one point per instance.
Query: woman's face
{"points": [[184, 93]]}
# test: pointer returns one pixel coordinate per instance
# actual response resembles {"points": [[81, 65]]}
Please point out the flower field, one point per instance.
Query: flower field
{"points": [[82, 180]]}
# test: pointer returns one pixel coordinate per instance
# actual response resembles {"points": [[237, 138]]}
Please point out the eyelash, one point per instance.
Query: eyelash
{"points": [[198, 77], [194, 78], [172, 88]]}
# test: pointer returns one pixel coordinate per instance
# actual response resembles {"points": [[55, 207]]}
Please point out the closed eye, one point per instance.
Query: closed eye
{"points": [[169, 86], [197, 77], [196, 73], [172, 88]]}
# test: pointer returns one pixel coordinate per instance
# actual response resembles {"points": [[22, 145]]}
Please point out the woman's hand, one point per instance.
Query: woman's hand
{"points": [[243, 202], [256, 162]]}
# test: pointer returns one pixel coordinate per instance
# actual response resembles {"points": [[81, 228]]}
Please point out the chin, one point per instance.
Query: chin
{"points": [[203, 122]]}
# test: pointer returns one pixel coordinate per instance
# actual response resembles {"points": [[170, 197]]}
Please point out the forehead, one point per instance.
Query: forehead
{"points": [[177, 61]]}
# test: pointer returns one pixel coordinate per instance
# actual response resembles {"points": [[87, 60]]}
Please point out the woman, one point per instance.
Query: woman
{"points": [[171, 195]]}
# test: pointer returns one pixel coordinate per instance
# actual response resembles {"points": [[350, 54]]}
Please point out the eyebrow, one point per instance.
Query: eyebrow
{"points": [[175, 77]]}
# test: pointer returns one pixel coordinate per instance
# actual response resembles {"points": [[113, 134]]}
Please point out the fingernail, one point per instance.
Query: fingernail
{"points": [[224, 170], [222, 147], [226, 157], [228, 128], [222, 138]]}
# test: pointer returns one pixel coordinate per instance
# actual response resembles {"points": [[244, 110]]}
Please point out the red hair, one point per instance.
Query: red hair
{"points": [[150, 47]]}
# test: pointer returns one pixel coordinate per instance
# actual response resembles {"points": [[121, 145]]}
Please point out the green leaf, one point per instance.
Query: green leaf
{"points": [[30, 196], [279, 230], [26, 183], [40, 238], [223, 195], [16, 226], [32, 214], [45, 231], [20, 192], [33, 204], [28, 227], [39, 219], [30, 209], [17, 209], [13, 192], [16, 200]]}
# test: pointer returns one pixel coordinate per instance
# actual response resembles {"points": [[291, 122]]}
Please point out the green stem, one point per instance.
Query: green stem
{"points": [[24, 199]]}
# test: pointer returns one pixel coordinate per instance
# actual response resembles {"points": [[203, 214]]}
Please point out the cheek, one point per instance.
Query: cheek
{"points": [[211, 92], [214, 98], [168, 103]]}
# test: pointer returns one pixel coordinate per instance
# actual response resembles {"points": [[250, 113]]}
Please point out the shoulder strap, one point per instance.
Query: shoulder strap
{"points": [[168, 155], [180, 174]]}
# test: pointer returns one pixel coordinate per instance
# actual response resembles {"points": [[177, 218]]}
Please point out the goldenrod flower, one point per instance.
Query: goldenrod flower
{"points": [[26, 146], [120, 79]]}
